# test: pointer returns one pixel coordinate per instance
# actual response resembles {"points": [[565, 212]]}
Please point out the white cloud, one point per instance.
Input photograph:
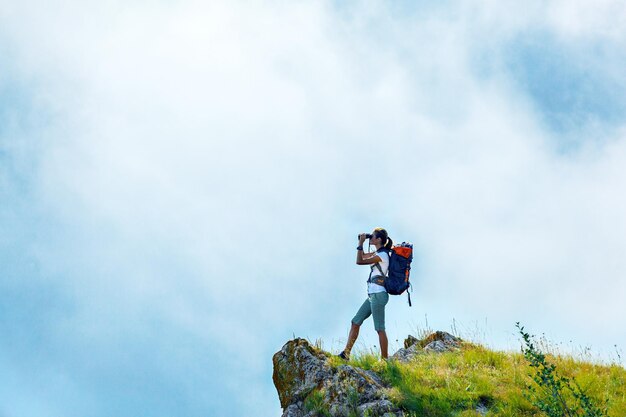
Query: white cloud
{"points": [[209, 165]]}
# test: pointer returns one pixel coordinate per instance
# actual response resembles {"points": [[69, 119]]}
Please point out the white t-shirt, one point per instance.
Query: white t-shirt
{"points": [[384, 264]]}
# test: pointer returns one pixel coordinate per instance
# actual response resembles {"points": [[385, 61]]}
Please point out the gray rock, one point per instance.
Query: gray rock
{"points": [[376, 408], [445, 337], [435, 342], [435, 346], [405, 355], [293, 410], [300, 369], [410, 341], [375, 377]]}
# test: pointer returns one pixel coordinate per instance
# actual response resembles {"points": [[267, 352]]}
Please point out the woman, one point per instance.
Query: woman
{"points": [[377, 296]]}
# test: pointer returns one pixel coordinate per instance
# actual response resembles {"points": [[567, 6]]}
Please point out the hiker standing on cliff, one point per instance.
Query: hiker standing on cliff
{"points": [[377, 297]]}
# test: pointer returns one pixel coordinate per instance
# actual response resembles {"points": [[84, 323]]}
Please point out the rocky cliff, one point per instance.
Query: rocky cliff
{"points": [[310, 383]]}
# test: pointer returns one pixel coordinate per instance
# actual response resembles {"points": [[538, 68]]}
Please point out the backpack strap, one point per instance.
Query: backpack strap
{"points": [[408, 293], [372, 271], [377, 264]]}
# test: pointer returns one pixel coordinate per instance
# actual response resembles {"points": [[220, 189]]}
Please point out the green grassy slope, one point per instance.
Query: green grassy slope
{"points": [[455, 383]]}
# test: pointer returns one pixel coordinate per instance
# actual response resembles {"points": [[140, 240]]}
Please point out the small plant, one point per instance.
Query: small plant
{"points": [[553, 393], [368, 413], [315, 402], [319, 344], [353, 401]]}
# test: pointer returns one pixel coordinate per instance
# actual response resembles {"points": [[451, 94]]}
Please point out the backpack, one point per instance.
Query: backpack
{"points": [[397, 279]]}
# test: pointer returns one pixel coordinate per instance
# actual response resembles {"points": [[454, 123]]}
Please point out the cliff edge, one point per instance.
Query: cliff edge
{"points": [[310, 382]]}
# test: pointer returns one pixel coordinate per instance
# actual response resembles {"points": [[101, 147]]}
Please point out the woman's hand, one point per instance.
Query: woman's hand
{"points": [[362, 238]]}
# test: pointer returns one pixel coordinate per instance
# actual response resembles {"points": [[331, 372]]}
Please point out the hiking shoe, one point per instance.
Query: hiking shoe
{"points": [[343, 356]]}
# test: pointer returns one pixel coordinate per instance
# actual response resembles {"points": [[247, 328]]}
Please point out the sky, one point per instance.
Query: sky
{"points": [[182, 184]]}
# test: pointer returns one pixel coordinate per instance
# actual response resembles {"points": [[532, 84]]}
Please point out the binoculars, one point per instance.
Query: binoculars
{"points": [[367, 236]]}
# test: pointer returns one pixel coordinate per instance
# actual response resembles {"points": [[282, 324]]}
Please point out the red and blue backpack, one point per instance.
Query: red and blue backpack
{"points": [[397, 279]]}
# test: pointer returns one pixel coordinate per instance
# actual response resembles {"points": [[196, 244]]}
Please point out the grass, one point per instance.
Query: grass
{"points": [[455, 383], [314, 402]]}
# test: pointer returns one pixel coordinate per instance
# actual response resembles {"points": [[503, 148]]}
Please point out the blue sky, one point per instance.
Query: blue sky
{"points": [[182, 184], [569, 84]]}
